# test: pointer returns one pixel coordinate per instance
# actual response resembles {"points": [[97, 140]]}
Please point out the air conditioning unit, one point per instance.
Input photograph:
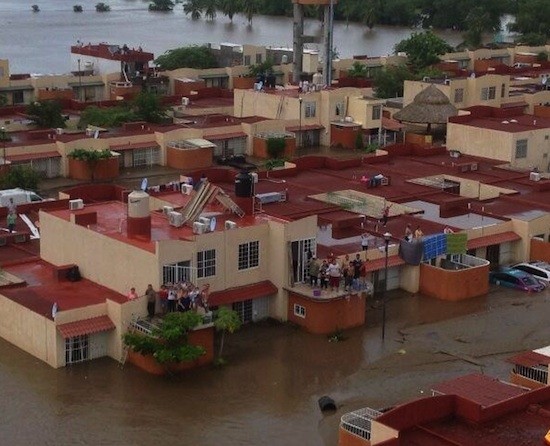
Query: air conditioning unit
{"points": [[185, 101], [167, 209], [186, 189], [199, 228], [534, 176], [77, 204], [447, 82], [206, 222], [254, 176], [230, 224], [175, 219], [59, 131]]}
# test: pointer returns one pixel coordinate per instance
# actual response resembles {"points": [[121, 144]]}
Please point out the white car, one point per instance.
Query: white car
{"points": [[539, 270]]}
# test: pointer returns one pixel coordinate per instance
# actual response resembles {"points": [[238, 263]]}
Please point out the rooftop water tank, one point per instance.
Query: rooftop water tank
{"points": [[138, 204], [244, 185]]}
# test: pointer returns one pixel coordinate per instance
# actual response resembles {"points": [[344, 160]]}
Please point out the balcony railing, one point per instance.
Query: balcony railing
{"points": [[359, 422]]}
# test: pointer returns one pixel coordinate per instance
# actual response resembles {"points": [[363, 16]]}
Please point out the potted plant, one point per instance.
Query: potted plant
{"points": [[92, 164]]}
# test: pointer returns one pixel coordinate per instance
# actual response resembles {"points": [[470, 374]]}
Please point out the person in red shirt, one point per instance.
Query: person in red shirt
{"points": [[163, 297]]}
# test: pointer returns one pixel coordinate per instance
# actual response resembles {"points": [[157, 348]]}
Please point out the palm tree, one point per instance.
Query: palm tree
{"points": [[210, 8], [249, 9], [226, 321], [193, 7], [230, 8], [35, 8], [370, 13]]}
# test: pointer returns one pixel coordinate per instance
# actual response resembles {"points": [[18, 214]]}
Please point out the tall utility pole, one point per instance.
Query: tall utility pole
{"points": [[328, 43]]}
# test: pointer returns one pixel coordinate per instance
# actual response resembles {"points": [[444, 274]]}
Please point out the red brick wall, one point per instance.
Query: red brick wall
{"points": [[189, 159], [344, 137], [259, 147], [454, 285], [105, 169], [328, 315]]}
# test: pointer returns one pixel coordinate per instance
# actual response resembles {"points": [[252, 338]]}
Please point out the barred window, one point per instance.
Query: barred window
{"points": [[310, 109], [521, 148], [206, 263], [249, 255], [459, 95], [376, 112]]}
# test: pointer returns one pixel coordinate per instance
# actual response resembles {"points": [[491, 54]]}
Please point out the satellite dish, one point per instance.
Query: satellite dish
{"points": [[212, 224], [144, 184]]}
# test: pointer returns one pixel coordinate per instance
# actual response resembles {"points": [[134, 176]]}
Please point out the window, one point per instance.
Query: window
{"points": [[18, 97], [521, 148], [488, 93], [259, 58], [206, 263], [249, 255], [299, 311], [247, 60], [77, 349], [503, 90], [339, 109], [310, 109], [376, 112], [459, 95]]}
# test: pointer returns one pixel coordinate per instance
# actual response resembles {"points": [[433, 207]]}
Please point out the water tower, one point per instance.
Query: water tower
{"points": [[300, 38]]}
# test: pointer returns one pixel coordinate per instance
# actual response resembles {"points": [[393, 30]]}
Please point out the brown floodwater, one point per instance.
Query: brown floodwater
{"points": [[268, 393]]}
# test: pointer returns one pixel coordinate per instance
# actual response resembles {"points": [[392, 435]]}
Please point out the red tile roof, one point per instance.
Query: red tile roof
{"points": [[378, 264], [391, 124], [296, 128], [480, 389], [86, 326], [494, 239], [137, 145], [238, 294], [529, 359], [33, 156], [220, 136]]}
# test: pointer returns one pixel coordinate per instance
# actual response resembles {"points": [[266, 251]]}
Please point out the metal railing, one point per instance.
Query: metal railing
{"points": [[359, 422], [536, 373]]}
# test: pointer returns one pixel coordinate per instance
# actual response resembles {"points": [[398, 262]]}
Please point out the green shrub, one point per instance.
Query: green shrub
{"points": [[276, 147]]}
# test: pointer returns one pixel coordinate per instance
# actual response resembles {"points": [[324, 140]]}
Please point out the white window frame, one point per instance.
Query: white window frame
{"points": [[376, 112], [82, 345], [206, 263], [248, 255], [459, 96], [310, 109], [300, 311]]}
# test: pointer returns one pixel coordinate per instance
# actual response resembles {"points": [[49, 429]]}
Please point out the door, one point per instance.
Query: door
{"points": [[493, 256], [244, 310], [302, 250]]}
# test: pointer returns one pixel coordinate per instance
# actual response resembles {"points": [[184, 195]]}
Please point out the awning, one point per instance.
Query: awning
{"points": [[529, 359], [514, 104], [391, 124], [17, 88], [33, 156], [304, 128], [137, 145], [214, 76], [494, 239], [222, 136], [378, 264], [238, 294], [87, 84], [85, 327]]}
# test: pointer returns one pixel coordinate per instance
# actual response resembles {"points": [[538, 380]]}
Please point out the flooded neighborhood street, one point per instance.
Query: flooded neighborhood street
{"points": [[269, 391]]}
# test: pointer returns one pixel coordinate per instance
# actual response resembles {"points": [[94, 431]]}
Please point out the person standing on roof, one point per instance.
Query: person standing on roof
{"points": [[151, 300]]}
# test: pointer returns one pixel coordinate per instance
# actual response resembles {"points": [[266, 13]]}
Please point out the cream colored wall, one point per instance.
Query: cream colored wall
{"points": [[275, 125], [527, 230], [123, 266], [310, 62], [409, 278], [361, 111], [381, 433], [537, 146], [477, 141], [29, 331], [475, 85]]}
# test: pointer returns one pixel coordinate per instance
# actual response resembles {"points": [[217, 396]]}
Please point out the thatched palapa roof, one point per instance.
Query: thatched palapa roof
{"points": [[430, 106]]}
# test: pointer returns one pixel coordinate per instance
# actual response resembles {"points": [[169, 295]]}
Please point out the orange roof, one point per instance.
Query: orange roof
{"points": [[238, 294], [494, 239], [86, 326], [529, 359], [378, 264], [137, 145]]}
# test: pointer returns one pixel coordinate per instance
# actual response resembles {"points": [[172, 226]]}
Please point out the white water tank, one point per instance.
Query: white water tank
{"points": [[138, 204]]}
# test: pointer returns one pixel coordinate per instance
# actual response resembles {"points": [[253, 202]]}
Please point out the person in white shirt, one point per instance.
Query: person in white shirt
{"points": [[334, 272]]}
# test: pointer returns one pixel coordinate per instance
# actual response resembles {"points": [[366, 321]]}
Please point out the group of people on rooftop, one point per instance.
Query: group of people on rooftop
{"points": [[182, 296], [332, 272]]}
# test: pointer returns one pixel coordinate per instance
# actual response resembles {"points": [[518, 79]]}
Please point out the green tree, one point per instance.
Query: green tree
{"points": [[423, 49], [226, 321], [531, 39], [161, 5], [276, 147], [90, 157], [358, 69], [148, 107], [194, 8], [187, 57], [210, 7], [102, 7], [77, 8], [46, 114], [533, 17], [24, 177], [35, 8], [106, 117], [3, 100], [169, 343], [229, 8], [389, 83], [250, 8], [370, 13]]}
